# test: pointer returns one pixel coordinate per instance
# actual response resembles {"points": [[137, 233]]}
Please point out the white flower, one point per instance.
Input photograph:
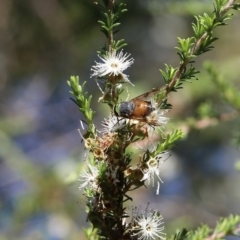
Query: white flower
{"points": [[89, 177], [149, 226], [153, 168], [113, 124], [156, 117], [112, 64]]}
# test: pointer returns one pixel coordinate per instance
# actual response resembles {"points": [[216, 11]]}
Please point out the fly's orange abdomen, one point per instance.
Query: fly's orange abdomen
{"points": [[142, 108]]}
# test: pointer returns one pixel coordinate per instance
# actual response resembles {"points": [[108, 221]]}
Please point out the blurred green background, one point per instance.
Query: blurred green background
{"points": [[43, 43]]}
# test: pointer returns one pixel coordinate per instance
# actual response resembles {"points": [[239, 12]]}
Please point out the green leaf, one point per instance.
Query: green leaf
{"points": [[182, 235], [168, 143], [82, 101]]}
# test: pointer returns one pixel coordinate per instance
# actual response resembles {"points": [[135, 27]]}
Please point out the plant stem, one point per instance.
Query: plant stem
{"points": [[195, 48]]}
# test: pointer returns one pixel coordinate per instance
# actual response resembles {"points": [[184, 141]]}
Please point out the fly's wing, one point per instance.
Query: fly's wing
{"points": [[148, 95]]}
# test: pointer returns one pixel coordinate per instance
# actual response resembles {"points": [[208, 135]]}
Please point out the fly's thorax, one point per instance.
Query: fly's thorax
{"points": [[126, 109]]}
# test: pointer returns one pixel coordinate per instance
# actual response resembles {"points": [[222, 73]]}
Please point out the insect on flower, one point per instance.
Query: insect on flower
{"points": [[143, 108]]}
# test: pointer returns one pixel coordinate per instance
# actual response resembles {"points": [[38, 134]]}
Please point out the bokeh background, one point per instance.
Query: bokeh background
{"points": [[43, 43]]}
